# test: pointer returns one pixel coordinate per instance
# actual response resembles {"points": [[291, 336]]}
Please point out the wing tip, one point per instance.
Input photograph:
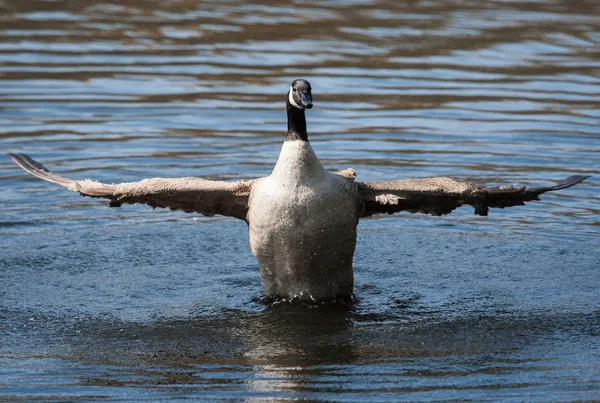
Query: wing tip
{"points": [[570, 181], [15, 157], [27, 163], [36, 169]]}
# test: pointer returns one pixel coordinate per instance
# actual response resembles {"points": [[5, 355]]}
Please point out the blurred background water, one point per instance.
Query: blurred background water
{"points": [[132, 304]]}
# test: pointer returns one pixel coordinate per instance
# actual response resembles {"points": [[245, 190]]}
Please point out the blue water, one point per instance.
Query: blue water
{"points": [[135, 304]]}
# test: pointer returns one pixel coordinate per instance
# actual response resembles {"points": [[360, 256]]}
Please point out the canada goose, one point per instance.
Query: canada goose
{"points": [[302, 219]]}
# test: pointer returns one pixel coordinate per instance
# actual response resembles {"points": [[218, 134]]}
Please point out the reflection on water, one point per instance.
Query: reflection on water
{"points": [[134, 304], [324, 352]]}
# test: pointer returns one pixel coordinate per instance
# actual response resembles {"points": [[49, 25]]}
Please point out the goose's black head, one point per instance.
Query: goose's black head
{"points": [[299, 98], [300, 95]]}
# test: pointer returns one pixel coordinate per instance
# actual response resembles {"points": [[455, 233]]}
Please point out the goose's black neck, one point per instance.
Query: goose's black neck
{"points": [[296, 123]]}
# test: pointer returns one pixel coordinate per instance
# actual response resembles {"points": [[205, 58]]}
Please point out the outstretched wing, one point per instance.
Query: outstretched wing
{"points": [[187, 194], [439, 196]]}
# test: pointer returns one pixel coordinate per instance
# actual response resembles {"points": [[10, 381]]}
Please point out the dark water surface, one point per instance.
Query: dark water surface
{"points": [[132, 304]]}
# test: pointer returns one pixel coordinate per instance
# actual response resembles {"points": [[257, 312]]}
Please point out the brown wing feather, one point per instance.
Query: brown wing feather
{"points": [[439, 196], [188, 194]]}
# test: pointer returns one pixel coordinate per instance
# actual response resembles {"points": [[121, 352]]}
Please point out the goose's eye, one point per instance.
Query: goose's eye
{"points": [[293, 89]]}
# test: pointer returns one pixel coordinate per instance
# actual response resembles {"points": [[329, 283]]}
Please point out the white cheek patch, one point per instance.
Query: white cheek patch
{"points": [[291, 99]]}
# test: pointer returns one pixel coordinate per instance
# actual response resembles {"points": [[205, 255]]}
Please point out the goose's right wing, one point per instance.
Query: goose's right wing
{"points": [[187, 194]]}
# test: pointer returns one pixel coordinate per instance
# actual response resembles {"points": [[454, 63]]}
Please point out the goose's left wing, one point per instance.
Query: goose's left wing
{"points": [[439, 196], [188, 194]]}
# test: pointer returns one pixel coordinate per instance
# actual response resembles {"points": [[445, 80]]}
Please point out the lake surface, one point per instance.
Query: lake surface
{"points": [[135, 304]]}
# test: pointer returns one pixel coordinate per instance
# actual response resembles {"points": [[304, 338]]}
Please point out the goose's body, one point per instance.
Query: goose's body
{"points": [[302, 219], [302, 222]]}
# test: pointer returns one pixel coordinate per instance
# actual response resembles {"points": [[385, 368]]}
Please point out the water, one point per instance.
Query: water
{"points": [[132, 304]]}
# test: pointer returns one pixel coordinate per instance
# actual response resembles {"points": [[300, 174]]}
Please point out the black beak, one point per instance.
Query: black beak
{"points": [[306, 100]]}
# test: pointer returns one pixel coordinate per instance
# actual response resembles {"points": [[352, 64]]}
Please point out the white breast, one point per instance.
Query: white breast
{"points": [[302, 222], [297, 164]]}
